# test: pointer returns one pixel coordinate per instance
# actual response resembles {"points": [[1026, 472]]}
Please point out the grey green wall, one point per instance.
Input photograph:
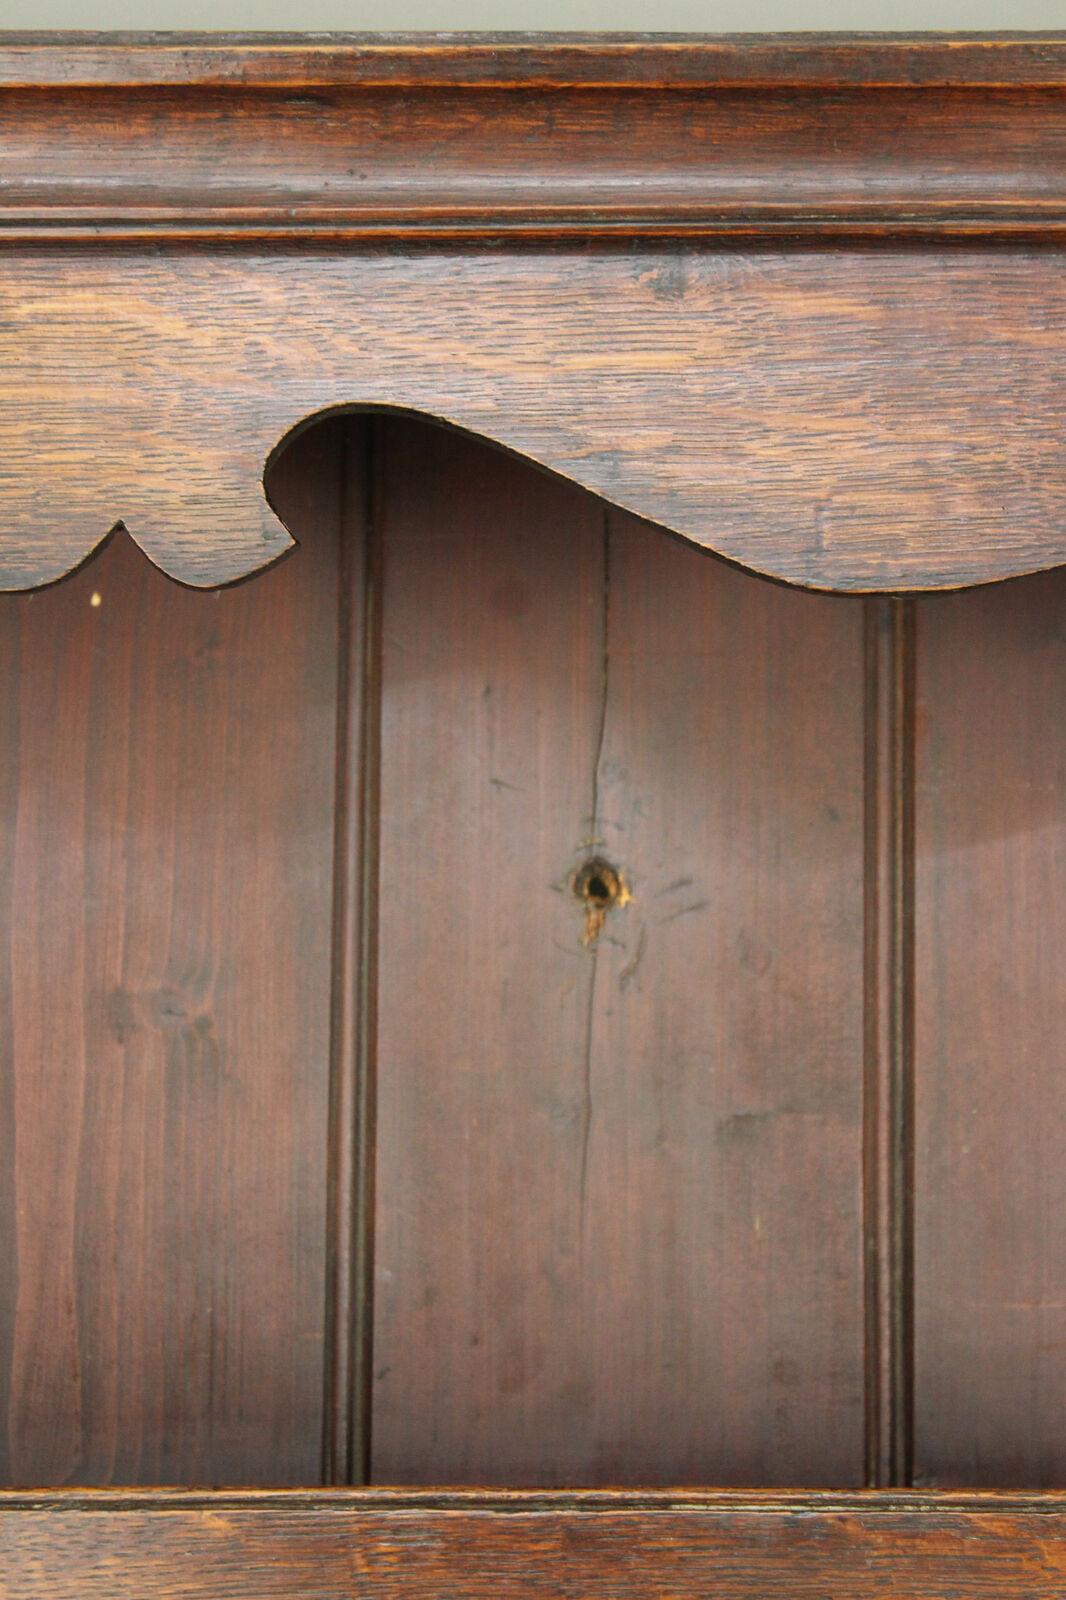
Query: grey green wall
{"points": [[701, 16]]}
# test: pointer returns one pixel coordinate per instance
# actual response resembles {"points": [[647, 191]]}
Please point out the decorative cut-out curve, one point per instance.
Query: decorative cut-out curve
{"points": [[817, 417]]}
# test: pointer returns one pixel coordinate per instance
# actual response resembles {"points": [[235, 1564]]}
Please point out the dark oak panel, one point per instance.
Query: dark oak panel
{"points": [[619, 1183], [618, 1221], [166, 802], [990, 1175], [619, 1186], [339, 1137], [544, 1547]]}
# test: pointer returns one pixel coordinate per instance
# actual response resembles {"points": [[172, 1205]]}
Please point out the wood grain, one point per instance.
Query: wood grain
{"points": [[619, 1181], [810, 415], [167, 792], [990, 1180], [336, 1138], [632, 161], [531, 60], [567, 1547]]}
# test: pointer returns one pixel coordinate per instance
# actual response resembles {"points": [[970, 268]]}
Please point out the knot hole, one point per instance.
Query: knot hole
{"points": [[599, 887]]}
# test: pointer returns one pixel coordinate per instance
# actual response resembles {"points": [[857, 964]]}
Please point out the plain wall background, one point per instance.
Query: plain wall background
{"points": [[696, 16]]}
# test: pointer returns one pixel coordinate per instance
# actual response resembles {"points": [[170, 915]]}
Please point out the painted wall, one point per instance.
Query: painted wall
{"points": [[697, 16]]}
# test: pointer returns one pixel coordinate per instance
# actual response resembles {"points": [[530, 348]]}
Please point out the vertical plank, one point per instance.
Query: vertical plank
{"points": [[619, 1183], [991, 1116], [492, 700], [167, 791]]}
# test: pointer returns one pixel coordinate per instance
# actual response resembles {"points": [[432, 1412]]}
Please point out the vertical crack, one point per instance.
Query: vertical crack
{"points": [[588, 1109], [889, 978]]}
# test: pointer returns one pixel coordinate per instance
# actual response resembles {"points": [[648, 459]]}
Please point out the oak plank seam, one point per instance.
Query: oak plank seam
{"points": [[375, 1500], [889, 1048], [350, 1319]]}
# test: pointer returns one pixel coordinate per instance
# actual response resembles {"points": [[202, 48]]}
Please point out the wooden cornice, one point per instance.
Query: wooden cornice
{"points": [[527, 60], [205, 136], [800, 300]]}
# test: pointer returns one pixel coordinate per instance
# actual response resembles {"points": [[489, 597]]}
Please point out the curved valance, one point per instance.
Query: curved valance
{"points": [[868, 420]]}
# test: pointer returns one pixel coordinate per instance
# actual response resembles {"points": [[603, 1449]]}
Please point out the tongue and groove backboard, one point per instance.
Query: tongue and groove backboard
{"points": [[529, 950]]}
